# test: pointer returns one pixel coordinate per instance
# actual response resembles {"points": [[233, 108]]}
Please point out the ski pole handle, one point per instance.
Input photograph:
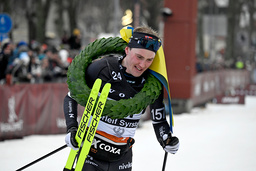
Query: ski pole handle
{"points": [[165, 156], [43, 157]]}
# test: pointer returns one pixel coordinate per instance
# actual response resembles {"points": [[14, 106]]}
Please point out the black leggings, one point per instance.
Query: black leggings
{"points": [[124, 164]]}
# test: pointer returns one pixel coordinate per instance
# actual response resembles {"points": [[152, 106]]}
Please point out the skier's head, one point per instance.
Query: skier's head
{"points": [[145, 38], [141, 50]]}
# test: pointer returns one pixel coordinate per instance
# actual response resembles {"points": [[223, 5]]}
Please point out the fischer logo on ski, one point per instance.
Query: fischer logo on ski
{"points": [[95, 122], [93, 127], [88, 137], [85, 119]]}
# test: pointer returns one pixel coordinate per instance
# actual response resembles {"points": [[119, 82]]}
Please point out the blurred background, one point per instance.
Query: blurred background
{"points": [[209, 47]]}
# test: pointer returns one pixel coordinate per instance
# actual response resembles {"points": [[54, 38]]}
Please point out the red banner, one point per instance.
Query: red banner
{"points": [[229, 99], [32, 109], [208, 85], [249, 90]]}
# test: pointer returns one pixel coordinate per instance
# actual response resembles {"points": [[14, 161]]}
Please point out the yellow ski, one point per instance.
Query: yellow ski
{"points": [[84, 123], [85, 144]]}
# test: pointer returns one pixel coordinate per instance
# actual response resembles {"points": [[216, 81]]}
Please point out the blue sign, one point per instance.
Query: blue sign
{"points": [[5, 23], [3, 36]]}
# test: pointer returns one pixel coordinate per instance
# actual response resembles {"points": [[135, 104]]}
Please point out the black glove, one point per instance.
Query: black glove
{"points": [[70, 138], [170, 143]]}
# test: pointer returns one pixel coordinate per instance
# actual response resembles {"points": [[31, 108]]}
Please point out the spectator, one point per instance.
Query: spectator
{"points": [[75, 40], [239, 64], [46, 74], [54, 63], [34, 68], [20, 47], [22, 67], [254, 74], [64, 55], [42, 51], [64, 39], [4, 57], [199, 67], [19, 67]]}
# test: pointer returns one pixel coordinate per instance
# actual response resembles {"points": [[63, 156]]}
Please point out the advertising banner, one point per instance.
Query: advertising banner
{"points": [[32, 109]]}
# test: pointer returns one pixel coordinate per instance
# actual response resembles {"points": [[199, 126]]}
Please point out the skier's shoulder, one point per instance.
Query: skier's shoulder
{"points": [[102, 68], [103, 63]]}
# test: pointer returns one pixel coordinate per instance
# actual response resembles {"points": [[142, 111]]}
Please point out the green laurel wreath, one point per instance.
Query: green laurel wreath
{"points": [[114, 109]]}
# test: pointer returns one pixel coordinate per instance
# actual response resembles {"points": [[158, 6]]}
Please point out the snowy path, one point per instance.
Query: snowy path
{"points": [[216, 138]]}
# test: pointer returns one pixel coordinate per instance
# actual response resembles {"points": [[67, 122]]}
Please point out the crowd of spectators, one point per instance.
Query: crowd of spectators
{"points": [[206, 63], [36, 62], [33, 63]]}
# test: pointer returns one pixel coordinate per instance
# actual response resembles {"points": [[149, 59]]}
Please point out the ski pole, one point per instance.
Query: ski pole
{"points": [[166, 153], [43, 157], [164, 163]]}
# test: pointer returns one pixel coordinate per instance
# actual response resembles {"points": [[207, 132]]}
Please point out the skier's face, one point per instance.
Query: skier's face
{"points": [[137, 60]]}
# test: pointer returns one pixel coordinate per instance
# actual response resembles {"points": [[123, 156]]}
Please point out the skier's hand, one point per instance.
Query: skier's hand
{"points": [[70, 138], [171, 143]]}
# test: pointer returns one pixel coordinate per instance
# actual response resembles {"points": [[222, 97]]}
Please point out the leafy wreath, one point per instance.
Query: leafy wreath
{"points": [[114, 109]]}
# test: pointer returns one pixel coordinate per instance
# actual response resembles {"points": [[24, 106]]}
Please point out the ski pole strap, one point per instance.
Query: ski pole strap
{"points": [[43, 157]]}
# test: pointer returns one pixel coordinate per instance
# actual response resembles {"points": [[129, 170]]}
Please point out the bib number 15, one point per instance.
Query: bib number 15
{"points": [[158, 114]]}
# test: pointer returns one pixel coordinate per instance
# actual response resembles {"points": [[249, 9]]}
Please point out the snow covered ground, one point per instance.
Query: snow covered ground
{"points": [[215, 138]]}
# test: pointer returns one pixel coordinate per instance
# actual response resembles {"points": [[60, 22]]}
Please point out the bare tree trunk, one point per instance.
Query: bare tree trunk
{"points": [[60, 20], [31, 19], [31, 25], [230, 41], [136, 16], [42, 11], [200, 33], [252, 10], [154, 8], [5, 6], [36, 14], [72, 13]]}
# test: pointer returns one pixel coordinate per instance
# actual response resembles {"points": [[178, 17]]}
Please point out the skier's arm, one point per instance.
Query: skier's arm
{"points": [[70, 105], [161, 126], [70, 112], [158, 116]]}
